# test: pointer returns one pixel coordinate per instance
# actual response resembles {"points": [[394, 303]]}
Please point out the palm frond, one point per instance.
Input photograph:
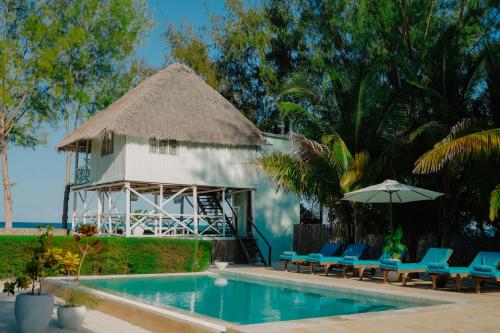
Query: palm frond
{"points": [[299, 86], [306, 149], [495, 203], [283, 170], [339, 155], [431, 126], [469, 147], [359, 168]]}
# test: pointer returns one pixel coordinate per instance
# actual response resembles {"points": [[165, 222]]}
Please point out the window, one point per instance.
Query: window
{"points": [[163, 147], [172, 147], [107, 144], [153, 146]]}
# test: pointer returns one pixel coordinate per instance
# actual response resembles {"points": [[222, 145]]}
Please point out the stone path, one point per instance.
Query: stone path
{"points": [[95, 322]]}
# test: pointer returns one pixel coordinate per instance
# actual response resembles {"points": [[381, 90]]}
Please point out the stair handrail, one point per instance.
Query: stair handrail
{"points": [[269, 247], [235, 232]]}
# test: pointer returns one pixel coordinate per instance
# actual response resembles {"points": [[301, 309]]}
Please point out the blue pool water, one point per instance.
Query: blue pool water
{"points": [[246, 301]]}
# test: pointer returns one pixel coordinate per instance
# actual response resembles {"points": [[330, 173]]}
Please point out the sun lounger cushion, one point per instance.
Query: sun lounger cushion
{"points": [[350, 258], [352, 250], [433, 256], [483, 264]]}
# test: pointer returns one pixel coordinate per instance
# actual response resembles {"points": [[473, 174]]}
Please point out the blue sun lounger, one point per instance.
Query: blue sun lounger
{"points": [[483, 260], [361, 264], [328, 249], [354, 251], [433, 256], [487, 269]]}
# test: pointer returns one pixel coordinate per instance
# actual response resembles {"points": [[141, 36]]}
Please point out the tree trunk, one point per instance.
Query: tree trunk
{"points": [[7, 195], [67, 183], [67, 190]]}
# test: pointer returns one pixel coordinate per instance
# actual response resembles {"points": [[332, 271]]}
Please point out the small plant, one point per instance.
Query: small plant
{"points": [[76, 297], [44, 261], [72, 263], [393, 245]]}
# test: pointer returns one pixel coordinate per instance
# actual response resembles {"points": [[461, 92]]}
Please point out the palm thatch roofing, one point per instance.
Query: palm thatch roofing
{"points": [[173, 104]]}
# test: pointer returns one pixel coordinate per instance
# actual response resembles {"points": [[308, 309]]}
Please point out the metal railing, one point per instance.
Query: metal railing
{"points": [[82, 175], [269, 247]]}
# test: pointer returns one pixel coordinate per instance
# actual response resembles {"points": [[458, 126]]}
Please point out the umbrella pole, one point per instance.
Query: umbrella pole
{"points": [[390, 213]]}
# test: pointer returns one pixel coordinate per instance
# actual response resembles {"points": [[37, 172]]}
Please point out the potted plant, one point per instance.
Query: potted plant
{"points": [[395, 249], [33, 310], [222, 264], [72, 314]]}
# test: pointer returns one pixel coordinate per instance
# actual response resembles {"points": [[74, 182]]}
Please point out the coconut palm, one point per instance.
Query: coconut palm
{"points": [[457, 148]]}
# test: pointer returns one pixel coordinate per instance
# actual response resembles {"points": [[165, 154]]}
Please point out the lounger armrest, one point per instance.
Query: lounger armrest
{"points": [[350, 258], [289, 253]]}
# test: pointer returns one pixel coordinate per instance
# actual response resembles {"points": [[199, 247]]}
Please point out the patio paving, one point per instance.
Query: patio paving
{"points": [[95, 322], [467, 312]]}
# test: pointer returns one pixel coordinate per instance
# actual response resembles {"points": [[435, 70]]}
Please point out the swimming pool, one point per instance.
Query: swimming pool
{"points": [[242, 300]]}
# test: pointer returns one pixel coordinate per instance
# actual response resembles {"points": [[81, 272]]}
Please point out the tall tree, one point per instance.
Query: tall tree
{"points": [[26, 59], [94, 40]]}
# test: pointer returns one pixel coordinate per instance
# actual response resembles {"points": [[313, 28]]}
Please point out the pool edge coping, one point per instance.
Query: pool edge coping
{"points": [[223, 326]]}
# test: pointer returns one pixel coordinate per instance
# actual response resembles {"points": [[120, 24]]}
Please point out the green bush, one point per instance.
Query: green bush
{"points": [[117, 255]]}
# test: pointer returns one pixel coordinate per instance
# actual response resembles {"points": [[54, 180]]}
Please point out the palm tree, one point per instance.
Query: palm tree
{"points": [[459, 148]]}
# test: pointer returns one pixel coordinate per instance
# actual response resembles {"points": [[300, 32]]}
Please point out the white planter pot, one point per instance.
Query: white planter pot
{"points": [[221, 264], [71, 317], [33, 312], [138, 230]]}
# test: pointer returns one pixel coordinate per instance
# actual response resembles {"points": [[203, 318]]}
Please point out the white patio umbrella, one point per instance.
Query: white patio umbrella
{"points": [[390, 191]]}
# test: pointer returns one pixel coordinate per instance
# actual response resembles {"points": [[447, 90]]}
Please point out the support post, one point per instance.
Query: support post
{"points": [[73, 215], [99, 210], [195, 208], [156, 219], [110, 203], [127, 210], [160, 219], [223, 212]]}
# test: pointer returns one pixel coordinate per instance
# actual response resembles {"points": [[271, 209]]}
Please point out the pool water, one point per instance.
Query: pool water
{"points": [[246, 301]]}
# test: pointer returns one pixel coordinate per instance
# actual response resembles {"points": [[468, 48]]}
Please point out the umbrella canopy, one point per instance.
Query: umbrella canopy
{"points": [[390, 191]]}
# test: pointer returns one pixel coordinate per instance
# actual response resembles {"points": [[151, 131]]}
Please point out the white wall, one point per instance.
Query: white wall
{"points": [[199, 164], [275, 212], [109, 167]]}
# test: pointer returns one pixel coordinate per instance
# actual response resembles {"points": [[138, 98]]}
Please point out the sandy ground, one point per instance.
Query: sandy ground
{"points": [[95, 322]]}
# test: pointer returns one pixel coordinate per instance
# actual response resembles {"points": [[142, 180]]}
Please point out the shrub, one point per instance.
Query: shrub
{"points": [[117, 255]]}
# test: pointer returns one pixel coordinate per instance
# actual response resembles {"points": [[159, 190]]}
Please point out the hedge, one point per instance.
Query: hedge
{"points": [[117, 255]]}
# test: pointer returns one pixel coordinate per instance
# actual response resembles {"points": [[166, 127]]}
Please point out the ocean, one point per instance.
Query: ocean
{"points": [[23, 224]]}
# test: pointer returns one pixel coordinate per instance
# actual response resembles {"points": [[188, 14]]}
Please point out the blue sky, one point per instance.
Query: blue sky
{"points": [[38, 175]]}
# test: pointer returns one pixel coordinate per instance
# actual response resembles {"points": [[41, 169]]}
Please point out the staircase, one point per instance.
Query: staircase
{"points": [[210, 205], [255, 256]]}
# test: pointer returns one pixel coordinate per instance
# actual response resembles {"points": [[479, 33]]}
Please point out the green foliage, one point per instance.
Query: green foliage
{"points": [[116, 255], [393, 244], [75, 297]]}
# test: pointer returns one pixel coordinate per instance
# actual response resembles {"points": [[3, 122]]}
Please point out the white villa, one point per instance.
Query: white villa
{"points": [[173, 158]]}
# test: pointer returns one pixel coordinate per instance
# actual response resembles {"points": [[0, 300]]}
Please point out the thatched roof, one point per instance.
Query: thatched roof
{"points": [[173, 104]]}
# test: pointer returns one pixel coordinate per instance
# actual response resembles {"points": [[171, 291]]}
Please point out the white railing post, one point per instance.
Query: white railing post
{"points": [[160, 219], [110, 224], [99, 211], [195, 208], [155, 228], [73, 216], [127, 210]]}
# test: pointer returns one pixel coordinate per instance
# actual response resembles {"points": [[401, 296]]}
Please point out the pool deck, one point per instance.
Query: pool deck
{"points": [[465, 312]]}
